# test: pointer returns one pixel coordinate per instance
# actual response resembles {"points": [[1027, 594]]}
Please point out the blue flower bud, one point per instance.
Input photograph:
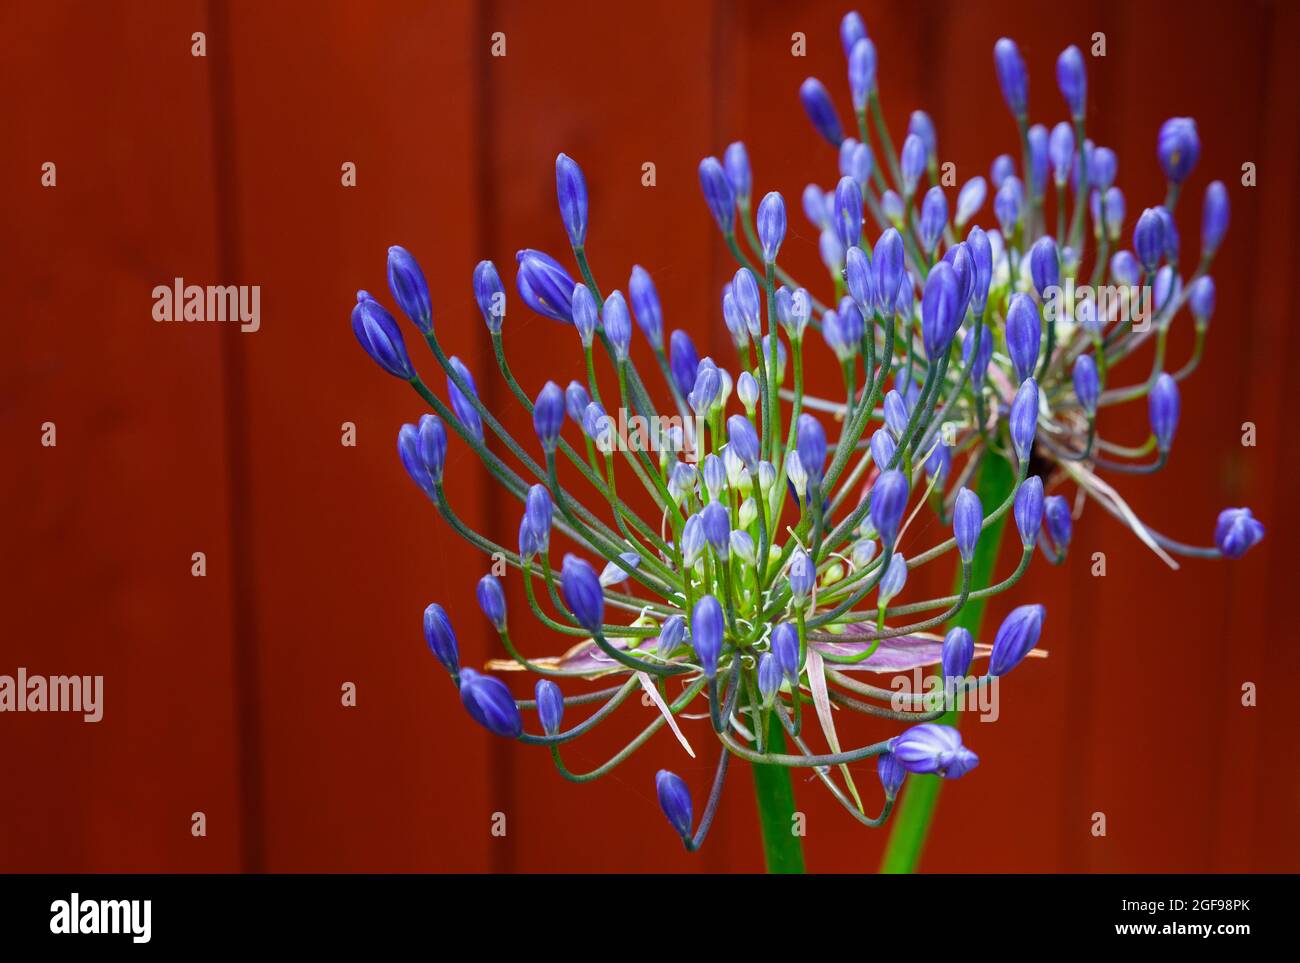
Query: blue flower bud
{"points": [[1059, 524], [1214, 217], [432, 440], [1113, 213], [934, 218], [744, 288], [958, 653], [465, 411], [715, 475], [785, 649], [1149, 239], [810, 443], [742, 440], [962, 262], [544, 285], [645, 302], [490, 295], [979, 365], [735, 160], [1200, 298], [981, 252], [671, 635], [939, 317], [571, 192], [528, 544], [408, 450], [848, 212], [550, 706], [970, 199], [967, 522], [410, 291], [490, 704], [852, 30], [1163, 406], [1001, 168], [1012, 77], [1028, 509], [706, 633], [576, 400], [733, 319], [912, 163], [862, 73], [718, 193], [1125, 269], [675, 801], [681, 481], [1178, 147], [1237, 531], [583, 593], [616, 573], [922, 126], [1071, 79], [742, 546], [802, 574], [931, 747], [618, 324], [586, 314], [717, 528], [598, 427], [693, 540], [1060, 148], [891, 205], [538, 510], [683, 360], [1038, 160], [817, 104], [939, 464], [1007, 203], [896, 414], [852, 323], [1170, 231], [814, 206], [378, 334], [833, 333], [1024, 418], [1086, 386], [892, 582], [888, 501], [1024, 334], [492, 600], [548, 415], [891, 773], [1045, 265], [441, 637], [1017, 634], [860, 278], [769, 677], [771, 224], [888, 262], [882, 447]]}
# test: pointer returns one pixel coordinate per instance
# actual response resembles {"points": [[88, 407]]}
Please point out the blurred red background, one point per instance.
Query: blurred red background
{"points": [[222, 693]]}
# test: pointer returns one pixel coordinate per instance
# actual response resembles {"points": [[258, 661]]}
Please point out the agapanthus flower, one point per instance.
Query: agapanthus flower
{"points": [[764, 583]]}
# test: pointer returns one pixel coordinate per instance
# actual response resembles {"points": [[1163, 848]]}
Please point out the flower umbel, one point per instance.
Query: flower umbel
{"points": [[766, 579]]}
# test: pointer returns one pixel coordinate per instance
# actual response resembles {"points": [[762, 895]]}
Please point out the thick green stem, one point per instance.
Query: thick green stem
{"points": [[915, 812], [782, 849]]}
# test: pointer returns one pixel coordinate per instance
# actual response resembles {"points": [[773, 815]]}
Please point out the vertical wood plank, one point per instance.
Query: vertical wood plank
{"points": [[345, 552], [100, 529]]}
